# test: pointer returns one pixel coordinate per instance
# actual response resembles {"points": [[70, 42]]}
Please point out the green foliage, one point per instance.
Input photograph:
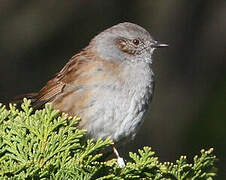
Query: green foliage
{"points": [[47, 145]]}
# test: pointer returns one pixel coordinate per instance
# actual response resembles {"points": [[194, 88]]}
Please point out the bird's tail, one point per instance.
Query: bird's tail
{"points": [[19, 99]]}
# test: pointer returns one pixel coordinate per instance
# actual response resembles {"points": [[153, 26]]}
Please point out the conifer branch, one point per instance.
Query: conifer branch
{"points": [[47, 145]]}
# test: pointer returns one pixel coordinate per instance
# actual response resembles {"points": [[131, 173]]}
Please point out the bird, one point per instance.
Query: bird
{"points": [[109, 84]]}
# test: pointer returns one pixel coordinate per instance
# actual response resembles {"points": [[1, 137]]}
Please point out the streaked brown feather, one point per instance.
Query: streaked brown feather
{"points": [[56, 85]]}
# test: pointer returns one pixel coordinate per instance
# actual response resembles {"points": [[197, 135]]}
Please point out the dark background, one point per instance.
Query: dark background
{"points": [[188, 111]]}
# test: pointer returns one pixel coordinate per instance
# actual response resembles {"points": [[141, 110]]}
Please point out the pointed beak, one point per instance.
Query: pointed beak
{"points": [[157, 44]]}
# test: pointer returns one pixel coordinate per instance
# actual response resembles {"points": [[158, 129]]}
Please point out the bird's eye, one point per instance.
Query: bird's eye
{"points": [[136, 42]]}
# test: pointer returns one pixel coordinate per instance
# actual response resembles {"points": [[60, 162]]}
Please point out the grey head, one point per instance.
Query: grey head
{"points": [[125, 42]]}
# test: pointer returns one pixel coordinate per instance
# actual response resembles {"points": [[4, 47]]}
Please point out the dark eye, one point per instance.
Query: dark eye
{"points": [[136, 42]]}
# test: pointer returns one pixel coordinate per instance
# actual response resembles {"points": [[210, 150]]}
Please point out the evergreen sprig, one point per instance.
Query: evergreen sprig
{"points": [[46, 144]]}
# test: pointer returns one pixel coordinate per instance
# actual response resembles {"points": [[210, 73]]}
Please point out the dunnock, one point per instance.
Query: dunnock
{"points": [[109, 84]]}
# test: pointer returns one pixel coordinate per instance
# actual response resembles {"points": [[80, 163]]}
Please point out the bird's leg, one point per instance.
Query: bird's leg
{"points": [[120, 160]]}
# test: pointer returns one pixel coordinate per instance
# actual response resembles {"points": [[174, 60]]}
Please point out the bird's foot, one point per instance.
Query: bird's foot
{"points": [[120, 160]]}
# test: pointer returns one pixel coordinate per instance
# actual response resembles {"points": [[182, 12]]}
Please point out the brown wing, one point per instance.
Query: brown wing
{"points": [[56, 85], [48, 92]]}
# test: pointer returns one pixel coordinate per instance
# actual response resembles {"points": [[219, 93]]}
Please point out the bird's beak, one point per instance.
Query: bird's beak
{"points": [[157, 44]]}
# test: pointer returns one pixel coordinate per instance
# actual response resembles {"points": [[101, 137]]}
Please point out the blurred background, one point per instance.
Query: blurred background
{"points": [[188, 111]]}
